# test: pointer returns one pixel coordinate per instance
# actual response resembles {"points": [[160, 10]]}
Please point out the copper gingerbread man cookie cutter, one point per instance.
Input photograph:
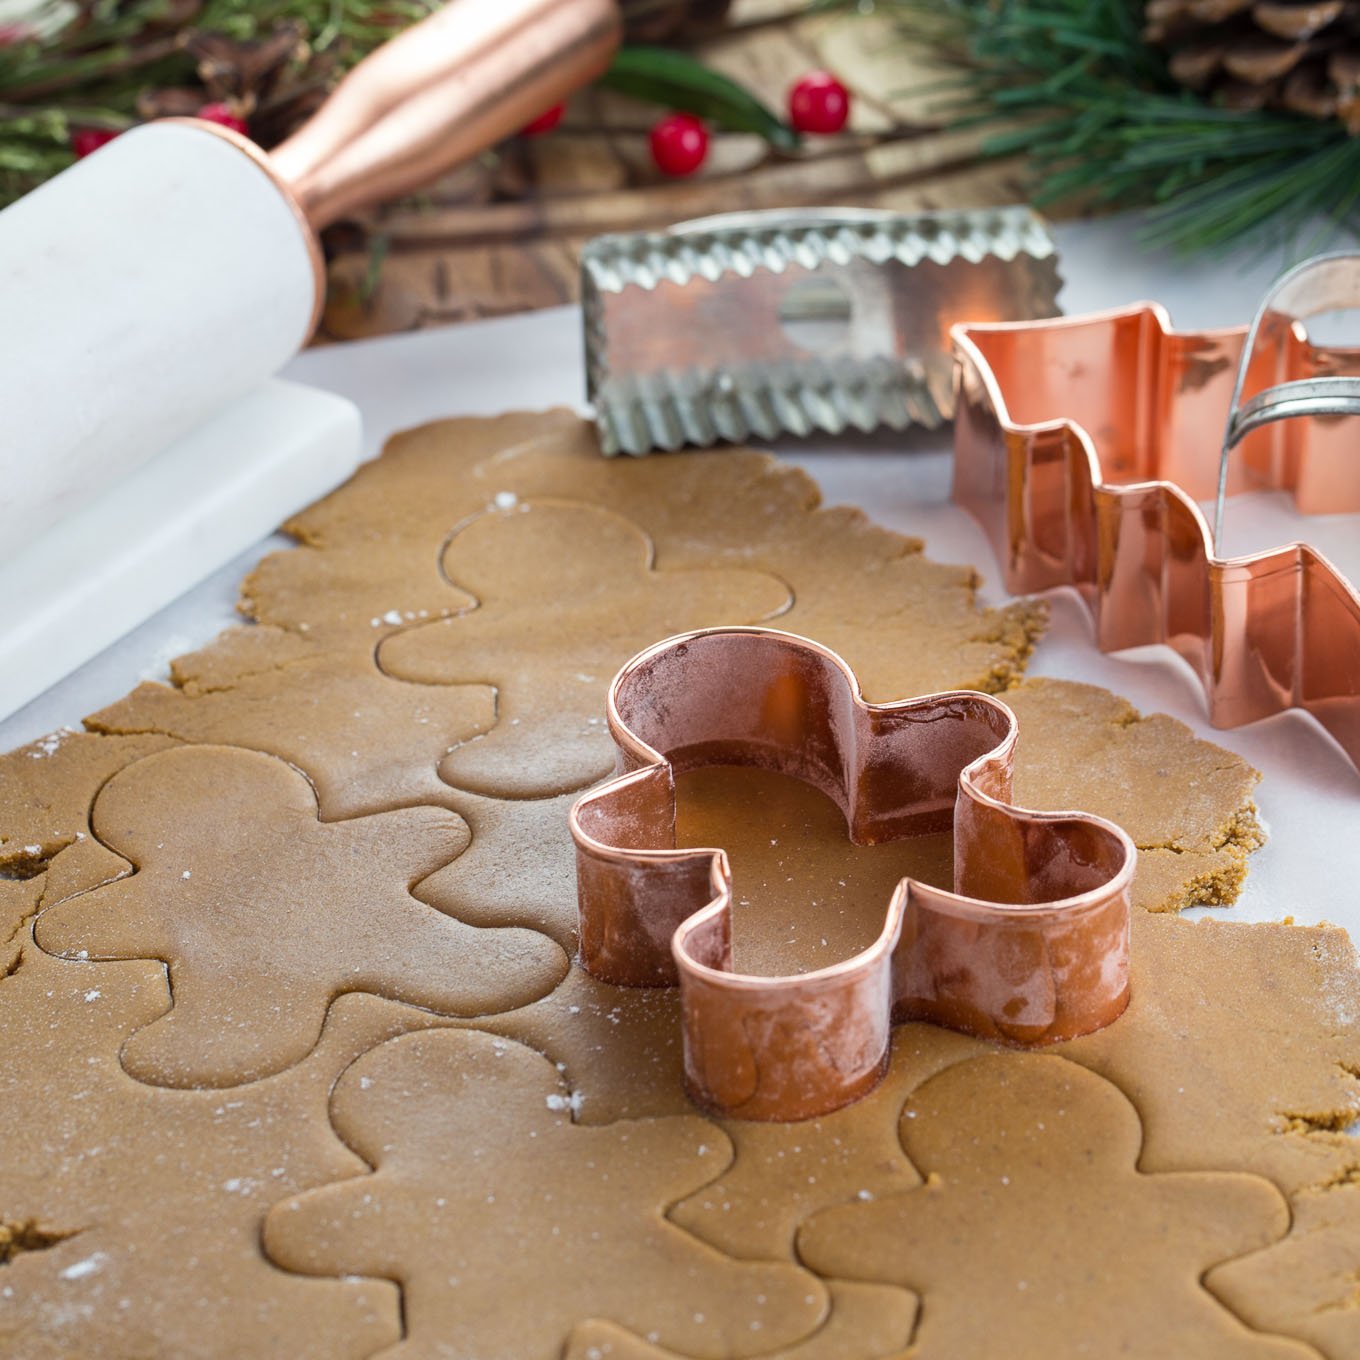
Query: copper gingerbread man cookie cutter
{"points": [[1032, 946]]}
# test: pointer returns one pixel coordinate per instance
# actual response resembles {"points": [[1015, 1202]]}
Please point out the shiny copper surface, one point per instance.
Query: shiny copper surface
{"points": [[1030, 947], [452, 85], [1082, 445]]}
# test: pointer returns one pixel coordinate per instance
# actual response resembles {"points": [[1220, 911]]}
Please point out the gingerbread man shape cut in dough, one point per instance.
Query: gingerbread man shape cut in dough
{"points": [[506, 1223], [566, 593], [1035, 1225], [148, 1201], [263, 915]]}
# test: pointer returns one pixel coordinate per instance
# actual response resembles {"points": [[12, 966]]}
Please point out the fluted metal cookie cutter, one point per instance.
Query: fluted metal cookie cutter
{"points": [[1032, 946], [785, 322], [1082, 445]]}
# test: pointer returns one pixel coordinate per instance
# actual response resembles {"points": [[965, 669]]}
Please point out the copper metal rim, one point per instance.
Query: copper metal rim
{"points": [[1031, 947]]}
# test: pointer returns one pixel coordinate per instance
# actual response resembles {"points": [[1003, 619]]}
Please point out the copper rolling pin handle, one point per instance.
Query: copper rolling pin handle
{"points": [[1326, 283], [473, 72]]}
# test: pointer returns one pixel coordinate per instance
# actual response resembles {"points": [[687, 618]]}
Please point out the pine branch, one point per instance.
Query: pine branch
{"points": [[1101, 121]]}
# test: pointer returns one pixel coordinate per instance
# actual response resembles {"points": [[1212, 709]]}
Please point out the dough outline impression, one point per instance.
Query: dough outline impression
{"points": [[1031, 947]]}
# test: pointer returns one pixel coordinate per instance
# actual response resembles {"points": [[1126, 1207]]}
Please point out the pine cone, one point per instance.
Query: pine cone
{"points": [[1299, 55]]}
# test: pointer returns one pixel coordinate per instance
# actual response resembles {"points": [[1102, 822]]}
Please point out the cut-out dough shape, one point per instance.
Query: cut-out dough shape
{"points": [[1032, 1216], [371, 549], [506, 1224], [369, 743], [369, 553], [784, 1173], [567, 593], [152, 1199], [868, 593], [264, 915], [867, 1322]]}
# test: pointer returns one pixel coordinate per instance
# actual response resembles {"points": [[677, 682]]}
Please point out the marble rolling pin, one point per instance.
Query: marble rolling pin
{"points": [[178, 267], [147, 295]]}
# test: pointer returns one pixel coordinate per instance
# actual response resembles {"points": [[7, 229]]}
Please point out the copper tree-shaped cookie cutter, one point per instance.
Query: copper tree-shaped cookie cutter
{"points": [[1082, 444], [1031, 947]]}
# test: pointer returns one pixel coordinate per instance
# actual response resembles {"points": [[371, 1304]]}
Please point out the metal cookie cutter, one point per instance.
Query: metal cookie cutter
{"points": [[1060, 428], [762, 323], [1031, 947]]}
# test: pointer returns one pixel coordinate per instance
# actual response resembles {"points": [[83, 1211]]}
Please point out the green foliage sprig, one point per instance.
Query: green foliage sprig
{"points": [[85, 65], [677, 80]]}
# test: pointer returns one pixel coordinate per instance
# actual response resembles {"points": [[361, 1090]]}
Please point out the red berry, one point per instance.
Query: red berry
{"points": [[545, 122], [224, 115], [679, 144], [819, 103], [86, 141]]}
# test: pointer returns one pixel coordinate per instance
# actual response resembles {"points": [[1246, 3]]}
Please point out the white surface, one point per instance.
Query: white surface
{"points": [[99, 572], [140, 290], [1310, 796]]}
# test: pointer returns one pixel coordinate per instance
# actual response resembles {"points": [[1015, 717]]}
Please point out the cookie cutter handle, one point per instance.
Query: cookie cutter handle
{"points": [[1325, 283]]}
